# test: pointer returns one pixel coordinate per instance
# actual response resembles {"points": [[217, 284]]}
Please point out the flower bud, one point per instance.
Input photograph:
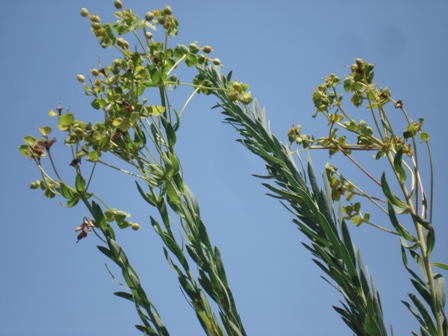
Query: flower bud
{"points": [[216, 61], [94, 72], [148, 35], [135, 226], [207, 49]]}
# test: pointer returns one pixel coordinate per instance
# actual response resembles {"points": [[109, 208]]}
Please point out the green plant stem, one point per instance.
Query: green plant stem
{"points": [[423, 248]]}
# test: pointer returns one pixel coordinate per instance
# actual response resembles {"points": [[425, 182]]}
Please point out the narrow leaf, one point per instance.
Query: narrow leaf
{"points": [[391, 197]]}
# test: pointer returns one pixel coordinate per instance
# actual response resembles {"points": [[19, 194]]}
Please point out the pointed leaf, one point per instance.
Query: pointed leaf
{"points": [[391, 197], [80, 183], [397, 165]]}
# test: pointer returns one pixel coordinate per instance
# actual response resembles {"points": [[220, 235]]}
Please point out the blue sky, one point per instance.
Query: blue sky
{"points": [[282, 49]]}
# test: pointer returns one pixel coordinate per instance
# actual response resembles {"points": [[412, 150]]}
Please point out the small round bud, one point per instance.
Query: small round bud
{"points": [[167, 10], [161, 19], [207, 49], [80, 78], [148, 35], [135, 226], [149, 16], [84, 12], [118, 4], [216, 61], [94, 72]]}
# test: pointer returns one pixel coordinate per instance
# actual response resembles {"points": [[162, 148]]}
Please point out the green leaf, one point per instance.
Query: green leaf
{"points": [[156, 110], [220, 267], [66, 120], [391, 197], [125, 295], [125, 124], [422, 221], [29, 139], [150, 198], [440, 265], [106, 252], [397, 165], [170, 133], [94, 155], [424, 136], [118, 253], [24, 149], [401, 230], [180, 50], [98, 103], [67, 191], [80, 184], [440, 290], [171, 191], [430, 239], [191, 60], [155, 76], [428, 323], [45, 130]]}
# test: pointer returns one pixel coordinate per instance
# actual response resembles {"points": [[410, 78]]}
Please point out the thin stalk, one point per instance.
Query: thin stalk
{"points": [[431, 183], [188, 101], [53, 165], [382, 228], [358, 165], [121, 170]]}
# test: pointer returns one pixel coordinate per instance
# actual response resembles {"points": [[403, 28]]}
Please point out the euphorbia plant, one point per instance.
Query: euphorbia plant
{"points": [[137, 136], [313, 208], [141, 133]]}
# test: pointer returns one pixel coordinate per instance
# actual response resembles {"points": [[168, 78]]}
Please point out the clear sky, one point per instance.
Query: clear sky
{"points": [[52, 286]]}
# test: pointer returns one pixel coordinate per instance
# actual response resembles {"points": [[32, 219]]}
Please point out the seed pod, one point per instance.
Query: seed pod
{"points": [[233, 95], [94, 18], [149, 16], [245, 98], [118, 4], [81, 78], [96, 25], [84, 12]]}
